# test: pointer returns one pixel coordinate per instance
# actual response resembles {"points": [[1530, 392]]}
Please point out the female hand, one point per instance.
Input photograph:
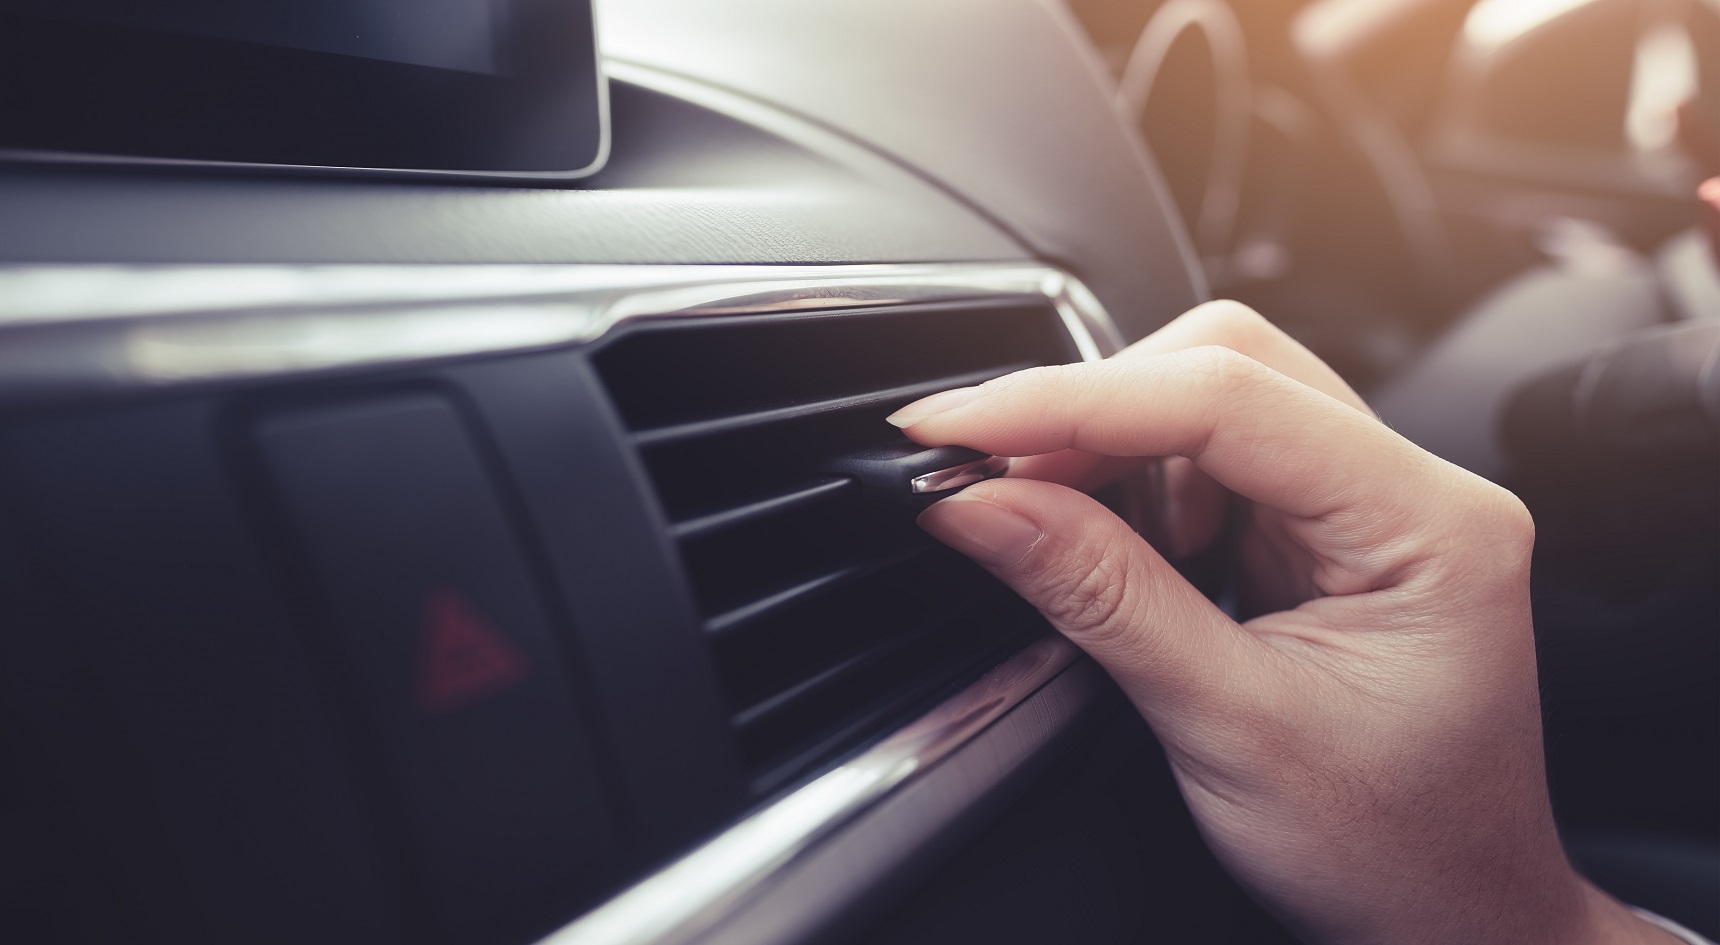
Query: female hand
{"points": [[1365, 757]]}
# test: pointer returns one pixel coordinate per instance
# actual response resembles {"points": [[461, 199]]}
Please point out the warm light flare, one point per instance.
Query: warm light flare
{"points": [[1497, 22]]}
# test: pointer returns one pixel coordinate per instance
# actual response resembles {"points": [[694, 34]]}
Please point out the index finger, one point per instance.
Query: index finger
{"points": [[1261, 434], [1223, 322], [1245, 331]]}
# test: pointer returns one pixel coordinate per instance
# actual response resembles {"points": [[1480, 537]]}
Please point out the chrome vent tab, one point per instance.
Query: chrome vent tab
{"points": [[914, 476], [791, 502], [941, 482]]}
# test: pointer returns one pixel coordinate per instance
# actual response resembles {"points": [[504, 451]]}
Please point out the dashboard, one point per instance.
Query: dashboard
{"points": [[444, 500], [389, 558]]}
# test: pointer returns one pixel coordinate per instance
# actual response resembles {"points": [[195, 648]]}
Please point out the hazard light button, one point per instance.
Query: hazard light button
{"points": [[463, 656], [460, 675]]}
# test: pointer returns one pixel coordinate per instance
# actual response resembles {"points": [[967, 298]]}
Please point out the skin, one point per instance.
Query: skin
{"points": [[1364, 756]]}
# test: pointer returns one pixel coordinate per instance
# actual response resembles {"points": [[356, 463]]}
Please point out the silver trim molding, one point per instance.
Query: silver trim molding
{"points": [[694, 894], [69, 331]]}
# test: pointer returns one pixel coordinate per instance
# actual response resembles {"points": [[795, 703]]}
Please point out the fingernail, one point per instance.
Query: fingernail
{"points": [[935, 404], [984, 531]]}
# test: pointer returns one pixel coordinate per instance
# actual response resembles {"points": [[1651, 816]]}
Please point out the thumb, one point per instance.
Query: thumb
{"points": [[1100, 585]]}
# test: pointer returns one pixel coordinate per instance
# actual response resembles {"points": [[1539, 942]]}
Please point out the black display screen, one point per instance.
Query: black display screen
{"points": [[482, 87], [467, 35]]}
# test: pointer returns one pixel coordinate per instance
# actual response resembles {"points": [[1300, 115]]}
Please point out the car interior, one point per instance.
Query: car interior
{"points": [[445, 495]]}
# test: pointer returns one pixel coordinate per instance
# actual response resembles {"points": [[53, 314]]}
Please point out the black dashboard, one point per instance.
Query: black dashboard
{"points": [[394, 559]]}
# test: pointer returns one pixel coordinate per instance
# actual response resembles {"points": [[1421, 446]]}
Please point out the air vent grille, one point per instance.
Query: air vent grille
{"points": [[827, 617]]}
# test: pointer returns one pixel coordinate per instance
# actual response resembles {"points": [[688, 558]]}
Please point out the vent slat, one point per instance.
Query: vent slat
{"points": [[764, 607], [785, 502], [906, 671], [719, 426], [826, 616], [761, 712]]}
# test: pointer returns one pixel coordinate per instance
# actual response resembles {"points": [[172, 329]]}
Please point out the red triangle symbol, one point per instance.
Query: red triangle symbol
{"points": [[462, 656]]}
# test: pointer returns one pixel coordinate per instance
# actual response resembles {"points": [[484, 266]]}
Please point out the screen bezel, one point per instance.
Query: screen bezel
{"points": [[85, 92]]}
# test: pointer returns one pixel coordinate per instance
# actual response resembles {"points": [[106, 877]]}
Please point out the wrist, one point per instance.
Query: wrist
{"points": [[1610, 922], [1567, 910]]}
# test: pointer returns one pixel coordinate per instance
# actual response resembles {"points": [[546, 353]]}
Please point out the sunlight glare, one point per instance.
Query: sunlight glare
{"points": [[1493, 23]]}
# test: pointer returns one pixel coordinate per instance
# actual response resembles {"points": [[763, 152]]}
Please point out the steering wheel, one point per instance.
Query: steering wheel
{"points": [[1187, 86]]}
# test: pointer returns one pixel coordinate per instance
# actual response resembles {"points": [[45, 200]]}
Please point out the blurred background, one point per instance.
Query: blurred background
{"points": [[1486, 215]]}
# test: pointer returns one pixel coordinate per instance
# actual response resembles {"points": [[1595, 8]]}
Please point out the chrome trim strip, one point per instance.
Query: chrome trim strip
{"points": [[81, 330], [957, 477], [834, 880], [693, 894]]}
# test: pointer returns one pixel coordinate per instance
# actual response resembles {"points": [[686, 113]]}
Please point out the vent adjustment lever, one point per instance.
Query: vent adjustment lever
{"points": [[908, 474]]}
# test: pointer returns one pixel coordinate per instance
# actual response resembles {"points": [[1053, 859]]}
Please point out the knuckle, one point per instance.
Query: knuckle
{"points": [[1028, 382], [1499, 521], [1224, 366], [1235, 325], [1092, 599], [1510, 518], [1226, 374]]}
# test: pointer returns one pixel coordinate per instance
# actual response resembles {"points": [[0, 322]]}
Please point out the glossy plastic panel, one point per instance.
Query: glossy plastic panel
{"points": [[999, 101]]}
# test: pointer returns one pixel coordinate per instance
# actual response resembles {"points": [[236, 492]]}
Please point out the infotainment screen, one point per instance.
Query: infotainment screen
{"points": [[469, 35], [488, 88]]}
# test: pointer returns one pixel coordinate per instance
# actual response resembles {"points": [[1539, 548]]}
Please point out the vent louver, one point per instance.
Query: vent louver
{"points": [[827, 617]]}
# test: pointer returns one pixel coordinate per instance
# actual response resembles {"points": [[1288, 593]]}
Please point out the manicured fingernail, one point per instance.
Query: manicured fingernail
{"points": [[935, 404], [984, 531]]}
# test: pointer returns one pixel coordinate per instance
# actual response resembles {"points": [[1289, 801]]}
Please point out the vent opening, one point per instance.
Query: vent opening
{"points": [[827, 616]]}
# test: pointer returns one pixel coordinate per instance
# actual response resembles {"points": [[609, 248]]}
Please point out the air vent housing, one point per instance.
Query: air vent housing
{"points": [[828, 616]]}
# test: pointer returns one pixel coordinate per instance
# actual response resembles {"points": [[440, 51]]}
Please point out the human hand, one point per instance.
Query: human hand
{"points": [[1365, 756]]}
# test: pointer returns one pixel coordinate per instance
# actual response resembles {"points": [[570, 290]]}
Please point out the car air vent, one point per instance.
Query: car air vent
{"points": [[828, 616]]}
